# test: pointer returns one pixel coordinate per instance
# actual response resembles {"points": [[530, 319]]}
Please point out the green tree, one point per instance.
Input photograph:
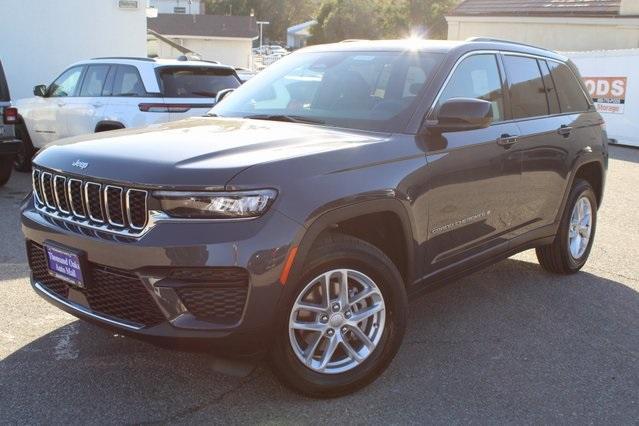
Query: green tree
{"points": [[280, 13], [343, 19]]}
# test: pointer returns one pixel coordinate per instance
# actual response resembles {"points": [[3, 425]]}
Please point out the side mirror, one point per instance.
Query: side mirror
{"points": [[222, 94], [459, 114], [40, 90]]}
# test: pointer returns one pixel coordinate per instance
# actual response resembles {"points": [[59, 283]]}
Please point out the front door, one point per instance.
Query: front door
{"points": [[49, 120], [475, 177], [86, 110]]}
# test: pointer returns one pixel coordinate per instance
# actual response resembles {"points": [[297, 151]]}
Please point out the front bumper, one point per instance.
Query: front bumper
{"points": [[258, 247], [9, 146]]}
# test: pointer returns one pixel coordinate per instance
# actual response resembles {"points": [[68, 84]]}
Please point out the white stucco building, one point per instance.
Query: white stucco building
{"points": [[570, 25], [188, 7], [40, 38], [226, 39]]}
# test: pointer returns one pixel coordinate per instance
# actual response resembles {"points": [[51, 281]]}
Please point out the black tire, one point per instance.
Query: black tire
{"points": [[6, 167], [341, 251], [556, 257], [22, 160]]}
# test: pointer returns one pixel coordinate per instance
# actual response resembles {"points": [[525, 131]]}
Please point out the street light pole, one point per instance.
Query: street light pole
{"points": [[261, 24]]}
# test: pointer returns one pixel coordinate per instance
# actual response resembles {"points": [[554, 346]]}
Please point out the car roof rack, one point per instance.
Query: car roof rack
{"points": [[499, 40], [353, 40], [128, 58]]}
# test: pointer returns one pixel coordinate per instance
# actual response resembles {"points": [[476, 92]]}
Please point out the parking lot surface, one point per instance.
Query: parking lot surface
{"points": [[509, 344]]}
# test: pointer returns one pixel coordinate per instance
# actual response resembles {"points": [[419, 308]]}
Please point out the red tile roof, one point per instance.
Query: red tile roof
{"points": [[599, 8]]}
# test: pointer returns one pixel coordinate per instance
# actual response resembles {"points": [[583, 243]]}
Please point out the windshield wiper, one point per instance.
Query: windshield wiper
{"points": [[284, 117]]}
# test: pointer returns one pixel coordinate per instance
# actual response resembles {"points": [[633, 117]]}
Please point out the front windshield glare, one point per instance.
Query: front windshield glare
{"points": [[374, 91]]}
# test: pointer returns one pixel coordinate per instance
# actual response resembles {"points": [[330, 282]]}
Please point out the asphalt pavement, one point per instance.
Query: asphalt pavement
{"points": [[509, 344]]}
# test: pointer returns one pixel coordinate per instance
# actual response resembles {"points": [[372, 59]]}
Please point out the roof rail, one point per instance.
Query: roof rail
{"points": [[128, 58], [353, 40], [499, 40]]}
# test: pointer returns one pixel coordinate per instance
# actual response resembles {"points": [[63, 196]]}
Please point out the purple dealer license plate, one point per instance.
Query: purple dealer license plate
{"points": [[64, 265]]}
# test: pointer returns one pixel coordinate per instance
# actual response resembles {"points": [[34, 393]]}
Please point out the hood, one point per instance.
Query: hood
{"points": [[197, 152]]}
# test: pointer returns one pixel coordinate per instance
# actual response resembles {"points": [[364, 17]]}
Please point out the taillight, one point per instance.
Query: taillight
{"points": [[164, 107], [10, 115]]}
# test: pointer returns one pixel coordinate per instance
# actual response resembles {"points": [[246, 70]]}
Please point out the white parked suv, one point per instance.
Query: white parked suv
{"points": [[114, 93]]}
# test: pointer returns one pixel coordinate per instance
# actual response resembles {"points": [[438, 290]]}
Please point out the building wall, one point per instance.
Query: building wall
{"points": [[229, 51], [168, 6], [40, 38], [575, 34]]}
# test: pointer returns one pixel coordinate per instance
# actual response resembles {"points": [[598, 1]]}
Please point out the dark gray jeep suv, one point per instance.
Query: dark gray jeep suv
{"points": [[297, 217]]}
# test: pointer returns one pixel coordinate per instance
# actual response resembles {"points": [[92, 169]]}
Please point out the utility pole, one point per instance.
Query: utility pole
{"points": [[261, 24]]}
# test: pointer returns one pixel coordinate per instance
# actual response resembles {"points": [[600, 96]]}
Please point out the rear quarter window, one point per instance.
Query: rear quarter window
{"points": [[570, 92], [194, 82]]}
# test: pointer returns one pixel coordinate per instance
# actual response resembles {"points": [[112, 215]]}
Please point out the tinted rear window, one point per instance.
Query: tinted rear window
{"points": [[192, 82], [571, 95], [527, 90], [4, 88]]}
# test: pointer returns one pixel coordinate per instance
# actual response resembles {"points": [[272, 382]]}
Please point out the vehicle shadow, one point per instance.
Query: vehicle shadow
{"points": [[624, 153], [504, 345]]}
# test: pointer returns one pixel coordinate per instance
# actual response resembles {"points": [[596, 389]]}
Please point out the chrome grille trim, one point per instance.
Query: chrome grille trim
{"points": [[70, 196], [55, 193], [77, 193], [48, 202], [106, 205], [37, 188], [128, 208], [87, 201]]}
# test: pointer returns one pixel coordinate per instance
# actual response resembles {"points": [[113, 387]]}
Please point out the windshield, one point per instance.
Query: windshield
{"points": [[374, 91], [195, 82]]}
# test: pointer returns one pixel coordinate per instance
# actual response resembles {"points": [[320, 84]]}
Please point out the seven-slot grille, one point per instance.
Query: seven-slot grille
{"points": [[107, 207]]}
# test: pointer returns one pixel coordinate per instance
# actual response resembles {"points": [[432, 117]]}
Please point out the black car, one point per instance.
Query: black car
{"points": [[9, 144], [295, 220]]}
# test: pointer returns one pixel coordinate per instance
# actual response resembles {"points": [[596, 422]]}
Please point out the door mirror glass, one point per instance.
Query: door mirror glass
{"points": [[458, 114], [40, 90]]}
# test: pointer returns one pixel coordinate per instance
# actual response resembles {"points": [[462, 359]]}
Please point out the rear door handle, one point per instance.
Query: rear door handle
{"points": [[61, 104], [564, 130], [98, 104], [507, 140]]}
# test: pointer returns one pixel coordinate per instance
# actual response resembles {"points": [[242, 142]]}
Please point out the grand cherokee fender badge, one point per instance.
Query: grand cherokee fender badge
{"points": [[80, 164]]}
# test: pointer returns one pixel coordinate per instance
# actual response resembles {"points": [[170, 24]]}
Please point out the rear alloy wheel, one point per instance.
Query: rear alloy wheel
{"points": [[569, 251], [343, 321]]}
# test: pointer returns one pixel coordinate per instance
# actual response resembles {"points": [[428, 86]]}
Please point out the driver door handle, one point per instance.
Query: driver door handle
{"points": [[507, 140]]}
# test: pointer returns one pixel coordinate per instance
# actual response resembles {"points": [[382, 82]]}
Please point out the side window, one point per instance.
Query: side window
{"points": [[571, 95], [127, 82], [477, 77], [551, 90], [94, 80], [527, 90], [66, 84]]}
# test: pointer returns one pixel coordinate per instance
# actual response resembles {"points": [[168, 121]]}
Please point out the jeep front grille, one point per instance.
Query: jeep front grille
{"points": [[105, 207]]}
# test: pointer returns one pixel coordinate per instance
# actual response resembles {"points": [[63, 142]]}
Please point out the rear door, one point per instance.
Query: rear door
{"points": [[126, 96], [192, 90], [475, 177], [85, 111], [547, 114]]}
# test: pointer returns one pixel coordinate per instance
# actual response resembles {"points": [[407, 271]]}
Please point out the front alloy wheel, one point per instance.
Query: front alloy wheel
{"points": [[341, 323], [337, 321]]}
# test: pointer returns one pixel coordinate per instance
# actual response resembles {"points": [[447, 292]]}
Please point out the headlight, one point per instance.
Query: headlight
{"points": [[216, 205]]}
